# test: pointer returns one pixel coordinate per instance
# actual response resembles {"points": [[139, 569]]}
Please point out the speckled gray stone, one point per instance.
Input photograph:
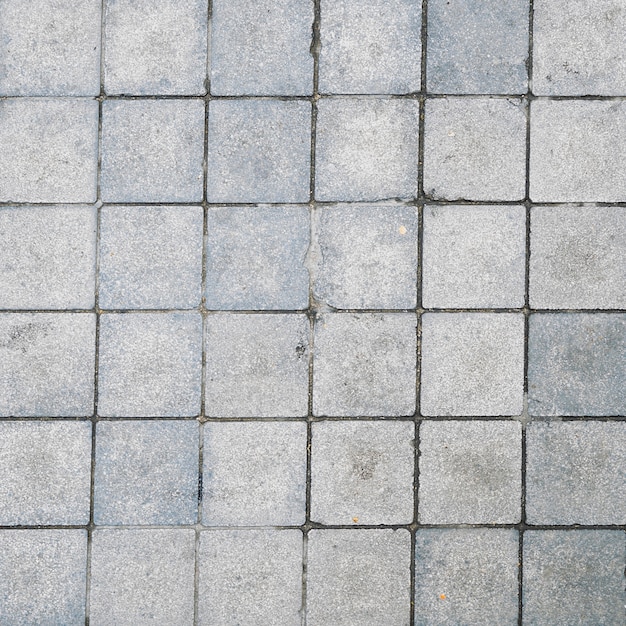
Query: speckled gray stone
{"points": [[576, 151], [364, 364], [257, 365], [256, 258], [47, 364], [574, 577], [150, 257], [472, 364], [143, 576], [155, 47], [370, 47], [366, 149], [367, 257], [45, 470], [254, 474], [470, 472], [475, 149], [49, 48], [150, 364], [146, 472], [358, 577], [250, 577], [466, 576], [576, 364], [474, 256], [152, 150], [259, 151], [42, 577], [362, 472], [47, 257], [49, 150], [262, 48]]}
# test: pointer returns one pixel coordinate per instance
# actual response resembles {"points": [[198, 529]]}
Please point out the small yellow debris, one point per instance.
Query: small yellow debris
{"points": [[355, 520], [451, 133], [442, 596], [402, 230]]}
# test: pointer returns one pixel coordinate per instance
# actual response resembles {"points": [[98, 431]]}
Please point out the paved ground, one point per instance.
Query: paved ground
{"points": [[333, 333]]}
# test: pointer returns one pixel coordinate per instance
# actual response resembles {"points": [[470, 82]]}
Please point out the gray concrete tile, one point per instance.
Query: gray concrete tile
{"points": [[364, 364], [576, 364]]}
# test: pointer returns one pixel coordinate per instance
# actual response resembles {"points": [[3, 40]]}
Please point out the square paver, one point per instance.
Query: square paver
{"points": [[256, 258], [250, 577], [474, 256], [254, 474], [259, 151], [367, 257], [470, 472], [42, 577], [146, 472], [257, 365], [362, 472], [358, 577], [142, 576], [47, 257], [577, 151], [475, 149], [472, 364], [47, 364], [366, 149], [574, 577], [49, 150], [261, 48], [150, 257], [364, 364], [50, 48], [45, 468], [370, 47], [576, 364], [155, 47], [152, 150], [150, 364], [466, 576]]}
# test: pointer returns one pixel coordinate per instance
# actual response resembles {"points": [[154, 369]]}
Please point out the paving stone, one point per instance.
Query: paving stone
{"points": [[49, 150], [370, 47], [152, 150], [364, 364], [146, 472], [257, 365], [155, 47], [256, 258], [259, 151], [466, 576], [475, 149], [47, 257], [472, 364], [474, 256], [362, 472], [250, 577], [579, 48], [358, 577], [150, 257], [42, 577], [574, 577], [261, 48], [49, 48], [150, 364], [47, 364], [367, 257], [470, 472], [142, 576], [576, 151], [576, 364], [254, 473]]}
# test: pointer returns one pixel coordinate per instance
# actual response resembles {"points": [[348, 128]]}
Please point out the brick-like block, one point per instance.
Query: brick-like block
{"points": [[576, 364], [364, 364]]}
